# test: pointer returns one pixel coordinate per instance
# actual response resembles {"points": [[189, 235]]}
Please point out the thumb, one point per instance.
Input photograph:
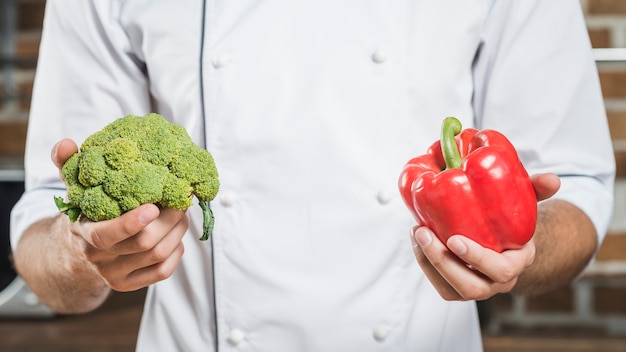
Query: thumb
{"points": [[546, 185], [104, 234], [62, 151]]}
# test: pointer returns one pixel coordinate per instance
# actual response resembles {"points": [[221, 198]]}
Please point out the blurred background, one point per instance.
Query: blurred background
{"points": [[590, 315]]}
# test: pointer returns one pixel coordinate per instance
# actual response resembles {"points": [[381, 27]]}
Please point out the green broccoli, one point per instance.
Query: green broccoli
{"points": [[138, 160]]}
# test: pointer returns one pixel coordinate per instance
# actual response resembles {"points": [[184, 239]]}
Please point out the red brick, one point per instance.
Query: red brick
{"points": [[27, 45], [617, 123], [609, 300], [620, 163], [24, 92], [12, 138], [558, 300], [613, 248], [600, 38], [613, 83], [606, 7], [30, 14]]}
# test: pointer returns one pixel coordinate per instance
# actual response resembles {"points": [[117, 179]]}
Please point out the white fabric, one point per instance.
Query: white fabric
{"points": [[310, 110]]}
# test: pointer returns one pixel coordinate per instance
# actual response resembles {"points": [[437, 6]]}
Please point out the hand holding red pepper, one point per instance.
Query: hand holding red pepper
{"points": [[472, 183], [462, 269]]}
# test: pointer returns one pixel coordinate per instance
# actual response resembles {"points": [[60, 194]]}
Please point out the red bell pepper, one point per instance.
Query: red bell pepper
{"points": [[471, 183]]}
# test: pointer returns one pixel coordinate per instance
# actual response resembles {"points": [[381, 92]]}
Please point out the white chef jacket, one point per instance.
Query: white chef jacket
{"points": [[310, 109]]}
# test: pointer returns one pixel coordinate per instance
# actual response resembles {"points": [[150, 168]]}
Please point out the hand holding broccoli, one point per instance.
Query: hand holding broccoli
{"points": [[138, 160], [138, 248]]}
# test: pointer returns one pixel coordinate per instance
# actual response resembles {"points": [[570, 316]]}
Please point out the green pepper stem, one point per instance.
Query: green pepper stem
{"points": [[450, 127], [208, 220]]}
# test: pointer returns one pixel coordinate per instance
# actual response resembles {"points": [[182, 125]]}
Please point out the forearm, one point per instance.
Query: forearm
{"points": [[52, 265], [565, 241]]}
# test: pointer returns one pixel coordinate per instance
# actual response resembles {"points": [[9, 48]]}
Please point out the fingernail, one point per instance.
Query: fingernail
{"points": [[53, 152], [423, 237], [457, 246]]}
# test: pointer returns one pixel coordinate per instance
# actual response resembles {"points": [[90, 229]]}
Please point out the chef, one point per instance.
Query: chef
{"points": [[310, 109]]}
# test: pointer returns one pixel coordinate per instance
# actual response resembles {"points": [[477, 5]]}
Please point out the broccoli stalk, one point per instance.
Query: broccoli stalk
{"points": [[138, 160], [208, 220]]}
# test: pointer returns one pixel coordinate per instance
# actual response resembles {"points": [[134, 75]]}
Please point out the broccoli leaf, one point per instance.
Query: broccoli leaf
{"points": [[67, 208]]}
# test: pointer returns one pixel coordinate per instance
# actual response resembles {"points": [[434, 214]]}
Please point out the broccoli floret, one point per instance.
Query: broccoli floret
{"points": [[138, 160], [97, 205], [92, 168], [121, 153]]}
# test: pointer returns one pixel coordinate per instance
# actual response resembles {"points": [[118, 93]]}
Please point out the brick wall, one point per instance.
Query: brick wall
{"points": [[606, 20], [597, 303], [20, 32]]}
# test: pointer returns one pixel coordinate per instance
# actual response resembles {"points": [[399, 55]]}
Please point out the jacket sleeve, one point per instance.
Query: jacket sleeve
{"points": [[86, 77], [536, 81]]}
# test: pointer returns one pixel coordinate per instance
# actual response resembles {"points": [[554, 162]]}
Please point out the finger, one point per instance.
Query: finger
{"points": [[62, 151], [168, 221], [424, 241], [501, 268], [166, 231], [491, 272], [546, 185], [159, 253], [449, 269], [105, 234], [148, 275]]}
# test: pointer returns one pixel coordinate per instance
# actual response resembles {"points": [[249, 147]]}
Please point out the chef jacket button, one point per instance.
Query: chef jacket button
{"points": [[235, 337], [380, 333], [383, 197], [220, 61], [227, 199], [379, 56]]}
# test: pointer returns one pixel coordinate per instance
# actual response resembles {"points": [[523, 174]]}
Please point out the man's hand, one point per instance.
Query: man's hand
{"points": [[139, 248], [72, 267], [464, 270]]}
